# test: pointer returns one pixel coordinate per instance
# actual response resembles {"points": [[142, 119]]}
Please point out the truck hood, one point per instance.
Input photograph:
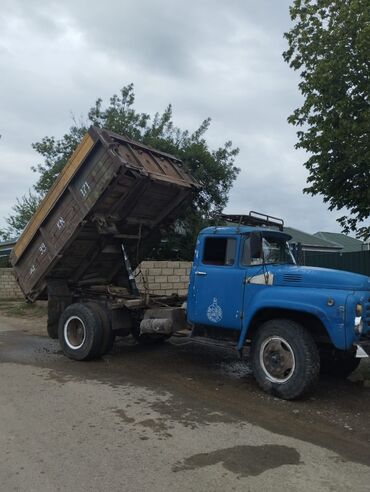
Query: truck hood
{"points": [[324, 278]]}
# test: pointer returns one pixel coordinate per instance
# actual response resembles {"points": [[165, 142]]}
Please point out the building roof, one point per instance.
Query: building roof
{"points": [[9, 242], [6, 246], [310, 240], [347, 243]]}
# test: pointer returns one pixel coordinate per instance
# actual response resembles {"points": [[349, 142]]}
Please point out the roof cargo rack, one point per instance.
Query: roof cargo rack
{"points": [[255, 219]]}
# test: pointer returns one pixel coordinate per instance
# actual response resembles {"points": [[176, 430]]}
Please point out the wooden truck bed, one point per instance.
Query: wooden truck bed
{"points": [[112, 191]]}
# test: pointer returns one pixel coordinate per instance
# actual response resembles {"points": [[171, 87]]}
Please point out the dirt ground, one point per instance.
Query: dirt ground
{"points": [[176, 417]]}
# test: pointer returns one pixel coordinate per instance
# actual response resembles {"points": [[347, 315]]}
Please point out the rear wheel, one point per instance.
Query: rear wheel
{"points": [[80, 332], [285, 359], [338, 363], [108, 335]]}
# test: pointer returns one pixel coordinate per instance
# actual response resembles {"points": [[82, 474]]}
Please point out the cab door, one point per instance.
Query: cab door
{"points": [[218, 283]]}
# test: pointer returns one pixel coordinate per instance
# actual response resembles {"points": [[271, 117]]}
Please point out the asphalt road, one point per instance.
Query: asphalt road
{"points": [[177, 417]]}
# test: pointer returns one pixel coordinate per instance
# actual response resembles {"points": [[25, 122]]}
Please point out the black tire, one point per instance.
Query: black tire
{"points": [[338, 363], [285, 359], [80, 332], [147, 339], [108, 335]]}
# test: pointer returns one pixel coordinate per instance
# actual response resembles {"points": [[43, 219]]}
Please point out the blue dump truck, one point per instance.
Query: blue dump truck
{"points": [[112, 203]]}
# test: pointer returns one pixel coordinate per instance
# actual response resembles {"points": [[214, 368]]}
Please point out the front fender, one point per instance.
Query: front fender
{"points": [[303, 300]]}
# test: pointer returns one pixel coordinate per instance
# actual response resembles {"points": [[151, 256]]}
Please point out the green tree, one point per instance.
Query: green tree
{"points": [[214, 169], [24, 208], [329, 44]]}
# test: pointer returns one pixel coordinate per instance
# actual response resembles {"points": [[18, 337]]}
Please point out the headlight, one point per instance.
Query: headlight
{"points": [[358, 309]]}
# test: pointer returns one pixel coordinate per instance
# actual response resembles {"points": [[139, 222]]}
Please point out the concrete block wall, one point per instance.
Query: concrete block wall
{"points": [[164, 277], [8, 285], [160, 277]]}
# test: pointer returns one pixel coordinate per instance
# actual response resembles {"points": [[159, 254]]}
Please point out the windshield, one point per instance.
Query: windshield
{"points": [[263, 248]]}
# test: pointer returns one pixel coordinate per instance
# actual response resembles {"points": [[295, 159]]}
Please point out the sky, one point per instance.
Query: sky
{"points": [[207, 58]]}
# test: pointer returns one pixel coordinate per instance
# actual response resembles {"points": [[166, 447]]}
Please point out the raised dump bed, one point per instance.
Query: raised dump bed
{"points": [[112, 192]]}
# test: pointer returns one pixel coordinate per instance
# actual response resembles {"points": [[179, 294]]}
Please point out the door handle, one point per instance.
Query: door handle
{"points": [[200, 273]]}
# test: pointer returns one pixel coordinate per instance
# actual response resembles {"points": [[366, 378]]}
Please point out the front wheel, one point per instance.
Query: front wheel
{"points": [[285, 359]]}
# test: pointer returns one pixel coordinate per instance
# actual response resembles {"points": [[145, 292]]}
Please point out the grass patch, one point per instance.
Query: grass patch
{"points": [[21, 309]]}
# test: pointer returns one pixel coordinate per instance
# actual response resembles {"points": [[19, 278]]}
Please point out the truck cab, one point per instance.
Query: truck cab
{"points": [[246, 285]]}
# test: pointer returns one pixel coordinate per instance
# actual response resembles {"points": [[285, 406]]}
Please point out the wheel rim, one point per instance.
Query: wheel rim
{"points": [[74, 332], [277, 359]]}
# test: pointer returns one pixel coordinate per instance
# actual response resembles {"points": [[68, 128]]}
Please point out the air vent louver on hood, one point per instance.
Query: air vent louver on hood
{"points": [[292, 278]]}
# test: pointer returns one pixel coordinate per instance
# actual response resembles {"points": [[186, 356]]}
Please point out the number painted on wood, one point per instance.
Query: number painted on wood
{"points": [[85, 189], [60, 223], [42, 248]]}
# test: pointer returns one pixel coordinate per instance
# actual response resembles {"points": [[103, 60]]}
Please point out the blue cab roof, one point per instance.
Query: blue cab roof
{"points": [[238, 230]]}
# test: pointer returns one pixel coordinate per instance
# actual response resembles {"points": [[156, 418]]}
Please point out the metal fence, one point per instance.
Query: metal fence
{"points": [[357, 262]]}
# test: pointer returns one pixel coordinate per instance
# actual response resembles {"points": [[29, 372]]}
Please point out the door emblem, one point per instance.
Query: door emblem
{"points": [[214, 312]]}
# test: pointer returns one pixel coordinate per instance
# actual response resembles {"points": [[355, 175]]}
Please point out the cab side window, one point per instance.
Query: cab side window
{"points": [[219, 251]]}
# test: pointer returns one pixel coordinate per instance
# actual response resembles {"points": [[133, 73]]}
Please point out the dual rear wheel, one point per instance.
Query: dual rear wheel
{"points": [[85, 331]]}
